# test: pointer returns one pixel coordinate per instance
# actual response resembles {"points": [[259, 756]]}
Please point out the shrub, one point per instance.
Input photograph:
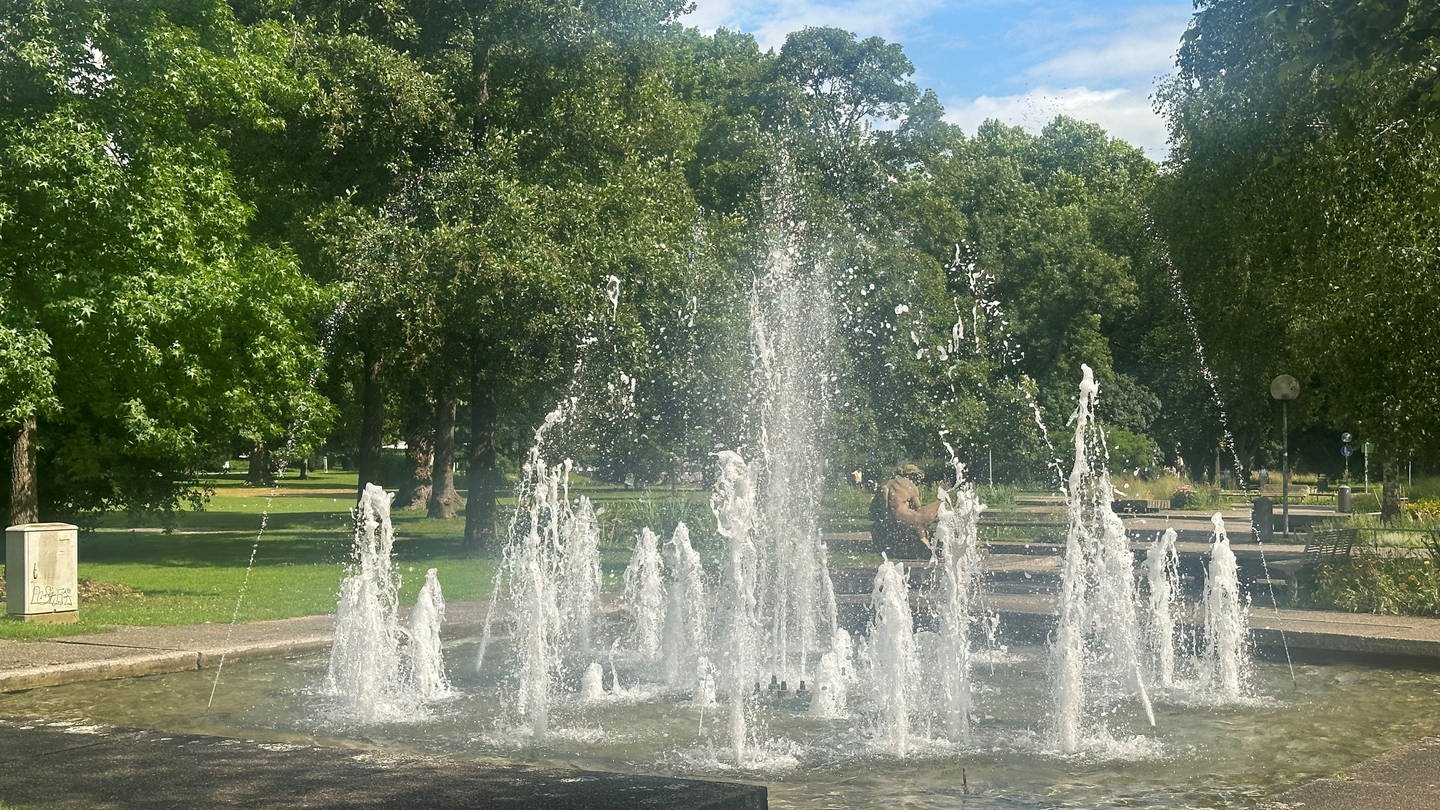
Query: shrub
{"points": [[1130, 452], [621, 519], [1361, 502], [1372, 583], [1195, 496], [1425, 510], [1145, 487]]}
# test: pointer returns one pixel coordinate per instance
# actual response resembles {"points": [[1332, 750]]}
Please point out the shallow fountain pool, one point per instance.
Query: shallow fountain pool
{"points": [[1196, 756]]}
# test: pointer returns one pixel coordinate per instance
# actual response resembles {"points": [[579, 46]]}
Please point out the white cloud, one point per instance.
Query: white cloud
{"points": [[1123, 112], [1091, 65], [1140, 47], [1095, 69], [772, 21]]}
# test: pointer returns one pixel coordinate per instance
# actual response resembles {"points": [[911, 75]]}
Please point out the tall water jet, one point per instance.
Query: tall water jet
{"points": [[535, 611], [580, 579], [1096, 636], [1162, 578], [834, 676], [426, 663], [733, 504], [368, 674], [683, 645], [791, 328], [892, 664], [1224, 662], [957, 549], [644, 597]]}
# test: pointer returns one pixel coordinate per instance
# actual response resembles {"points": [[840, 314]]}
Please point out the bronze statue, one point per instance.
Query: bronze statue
{"points": [[900, 526]]}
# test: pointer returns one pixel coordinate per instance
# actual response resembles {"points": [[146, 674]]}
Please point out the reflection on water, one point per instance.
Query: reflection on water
{"points": [[1196, 756]]}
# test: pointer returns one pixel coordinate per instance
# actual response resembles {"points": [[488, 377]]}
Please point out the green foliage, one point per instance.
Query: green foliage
{"points": [[1425, 509], [1373, 583], [621, 519], [1130, 452], [123, 228], [1298, 210], [846, 509], [1196, 496], [27, 373], [1364, 502], [454, 186]]}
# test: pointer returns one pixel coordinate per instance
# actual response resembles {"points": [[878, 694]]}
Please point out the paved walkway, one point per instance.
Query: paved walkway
{"points": [[50, 766], [64, 766], [1407, 778]]}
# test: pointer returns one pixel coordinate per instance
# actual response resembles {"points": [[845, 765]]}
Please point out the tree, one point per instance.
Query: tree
{"points": [[1052, 253], [149, 327], [1300, 196]]}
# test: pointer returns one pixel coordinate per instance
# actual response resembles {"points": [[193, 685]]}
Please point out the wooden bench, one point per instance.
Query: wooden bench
{"points": [[1135, 506], [1329, 545], [1324, 546]]}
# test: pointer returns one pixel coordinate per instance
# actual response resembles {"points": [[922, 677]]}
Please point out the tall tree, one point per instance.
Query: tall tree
{"points": [[1299, 209], [143, 312]]}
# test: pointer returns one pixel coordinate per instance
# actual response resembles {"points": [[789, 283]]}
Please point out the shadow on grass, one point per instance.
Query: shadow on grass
{"points": [[307, 540], [212, 520]]}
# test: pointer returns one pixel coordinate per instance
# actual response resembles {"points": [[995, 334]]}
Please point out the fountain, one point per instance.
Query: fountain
{"points": [[426, 659], [723, 653], [1096, 645], [958, 554], [924, 718], [1225, 661], [1162, 577], [892, 666], [683, 645], [644, 598], [770, 617], [379, 672], [733, 504], [791, 325]]}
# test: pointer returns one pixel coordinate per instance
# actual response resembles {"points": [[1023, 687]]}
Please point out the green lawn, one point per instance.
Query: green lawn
{"points": [[134, 573], [141, 575]]}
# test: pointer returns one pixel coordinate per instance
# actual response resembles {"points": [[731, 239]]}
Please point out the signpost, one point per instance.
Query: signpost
{"points": [[1285, 388]]}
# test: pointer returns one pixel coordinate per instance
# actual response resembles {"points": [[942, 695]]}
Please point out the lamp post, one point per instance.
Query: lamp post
{"points": [[1285, 388]]}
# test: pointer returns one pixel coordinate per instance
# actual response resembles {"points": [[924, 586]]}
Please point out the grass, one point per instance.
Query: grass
{"points": [[141, 575], [134, 572]]}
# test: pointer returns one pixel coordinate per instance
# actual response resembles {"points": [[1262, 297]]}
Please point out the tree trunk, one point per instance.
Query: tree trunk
{"points": [[444, 500], [260, 473], [24, 495], [415, 492], [481, 477], [1389, 490], [372, 421]]}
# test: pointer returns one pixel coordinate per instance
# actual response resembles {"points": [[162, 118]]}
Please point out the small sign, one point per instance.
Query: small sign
{"points": [[1346, 450]]}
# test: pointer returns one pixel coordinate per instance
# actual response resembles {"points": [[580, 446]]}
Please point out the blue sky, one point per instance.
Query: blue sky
{"points": [[1021, 61]]}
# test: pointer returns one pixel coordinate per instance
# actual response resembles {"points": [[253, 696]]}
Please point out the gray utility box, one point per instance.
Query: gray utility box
{"points": [[40, 577]]}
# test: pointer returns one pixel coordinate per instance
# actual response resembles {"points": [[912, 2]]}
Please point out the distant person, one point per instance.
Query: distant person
{"points": [[1264, 476], [857, 478], [225, 468], [900, 525]]}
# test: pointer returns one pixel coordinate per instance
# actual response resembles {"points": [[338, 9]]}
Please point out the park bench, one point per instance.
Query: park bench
{"points": [[1323, 546], [1329, 545], [1135, 506]]}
